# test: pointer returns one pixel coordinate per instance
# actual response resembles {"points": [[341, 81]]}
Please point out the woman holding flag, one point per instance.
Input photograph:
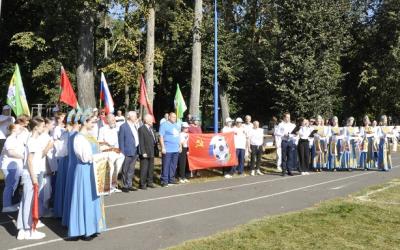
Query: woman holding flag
{"points": [[28, 216]]}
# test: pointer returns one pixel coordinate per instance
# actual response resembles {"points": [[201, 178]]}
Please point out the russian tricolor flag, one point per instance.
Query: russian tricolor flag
{"points": [[105, 95]]}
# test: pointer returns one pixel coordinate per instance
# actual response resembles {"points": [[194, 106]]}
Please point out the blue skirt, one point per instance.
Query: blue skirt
{"points": [[60, 186], [87, 210], [68, 189]]}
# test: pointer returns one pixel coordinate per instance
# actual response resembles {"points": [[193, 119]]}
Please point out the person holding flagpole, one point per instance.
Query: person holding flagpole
{"points": [[27, 222]]}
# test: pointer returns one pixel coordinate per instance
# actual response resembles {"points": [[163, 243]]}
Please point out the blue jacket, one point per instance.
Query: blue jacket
{"points": [[126, 140]]}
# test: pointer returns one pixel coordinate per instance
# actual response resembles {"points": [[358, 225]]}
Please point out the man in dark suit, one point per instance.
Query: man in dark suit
{"points": [[128, 140], [147, 142]]}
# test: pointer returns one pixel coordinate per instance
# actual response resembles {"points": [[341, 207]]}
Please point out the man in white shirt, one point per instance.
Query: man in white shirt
{"points": [[108, 139], [119, 118], [240, 145], [256, 140], [283, 131]]}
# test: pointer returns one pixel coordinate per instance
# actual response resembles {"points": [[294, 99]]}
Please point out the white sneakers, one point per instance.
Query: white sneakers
{"points": [[256, 172], [10, 209], [279, 169], [305, 173], [116, 190], [228, 176], [30, 235]]}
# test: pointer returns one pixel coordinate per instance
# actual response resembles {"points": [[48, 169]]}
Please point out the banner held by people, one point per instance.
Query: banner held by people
{"points": [[16, 97], [102, 174], [212, 150]]}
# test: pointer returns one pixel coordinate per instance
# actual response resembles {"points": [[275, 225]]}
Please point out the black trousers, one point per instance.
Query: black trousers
{"points": [[128, 170], [146, 171], [304, 154], [182, 162], [255, 159]]}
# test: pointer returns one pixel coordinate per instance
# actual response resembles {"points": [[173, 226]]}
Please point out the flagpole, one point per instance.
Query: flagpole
{"points": [[215, 68]]}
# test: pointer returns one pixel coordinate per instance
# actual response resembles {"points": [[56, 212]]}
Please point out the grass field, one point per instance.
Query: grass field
{"points": [[369, 219]]}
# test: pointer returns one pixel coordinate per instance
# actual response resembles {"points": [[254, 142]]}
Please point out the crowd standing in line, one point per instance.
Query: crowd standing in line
{"points": [[55, 157]]}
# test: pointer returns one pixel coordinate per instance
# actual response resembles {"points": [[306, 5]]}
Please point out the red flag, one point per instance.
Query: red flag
{"points": [[35, 206], [144, 100], [212, 150], [67, 93]]}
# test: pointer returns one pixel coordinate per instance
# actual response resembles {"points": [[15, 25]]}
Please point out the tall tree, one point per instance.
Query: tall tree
{"points": [[194, 108], [84, 72], [149, 59]]}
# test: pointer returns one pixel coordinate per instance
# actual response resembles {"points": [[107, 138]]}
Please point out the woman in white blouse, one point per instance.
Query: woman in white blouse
{"points": [[12, 158]]}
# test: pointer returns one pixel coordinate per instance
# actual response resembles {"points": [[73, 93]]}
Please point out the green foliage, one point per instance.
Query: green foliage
{"points": [[308, 57]]}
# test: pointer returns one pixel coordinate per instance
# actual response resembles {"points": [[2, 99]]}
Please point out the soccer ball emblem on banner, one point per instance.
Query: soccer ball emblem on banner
{"points": [[219, 149]]}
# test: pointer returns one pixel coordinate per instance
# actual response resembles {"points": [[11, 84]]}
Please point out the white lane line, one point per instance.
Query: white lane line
{"points": [[202, 210], [184, 194], [339, 187], [199, 192]]}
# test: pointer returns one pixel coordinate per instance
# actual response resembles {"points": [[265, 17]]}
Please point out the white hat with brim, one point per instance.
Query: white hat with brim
{"points": [[185, 125], [6, 107], [228, 119], [239, 119]]}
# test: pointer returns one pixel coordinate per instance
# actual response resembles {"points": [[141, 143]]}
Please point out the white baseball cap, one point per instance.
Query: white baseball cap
{"points": [[185, 125], [239, 119], [6, 107], [228, 119]]}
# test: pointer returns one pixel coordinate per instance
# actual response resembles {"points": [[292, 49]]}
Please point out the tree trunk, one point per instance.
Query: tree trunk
{"points": [[224, 98], [194, 108], [149, 58], [84, 72]]}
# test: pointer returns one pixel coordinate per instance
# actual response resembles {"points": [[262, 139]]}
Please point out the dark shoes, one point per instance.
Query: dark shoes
{"points": [[151, 185]]}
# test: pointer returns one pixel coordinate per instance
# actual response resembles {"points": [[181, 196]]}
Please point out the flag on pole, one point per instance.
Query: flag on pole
{"points": [[105, 95], [144, 100], [16, 97], [180, 105], [67, 92]]}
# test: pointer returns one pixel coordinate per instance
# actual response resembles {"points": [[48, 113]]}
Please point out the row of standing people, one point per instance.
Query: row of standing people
{"points": [[318, 147]]}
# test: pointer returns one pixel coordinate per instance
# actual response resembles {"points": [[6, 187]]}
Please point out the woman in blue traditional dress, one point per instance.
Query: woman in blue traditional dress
{"points": [[320, 145], [71, 169], [60, 137], [87, 218], [350, 144], [335, 140], [367, 133], [386, 138]]}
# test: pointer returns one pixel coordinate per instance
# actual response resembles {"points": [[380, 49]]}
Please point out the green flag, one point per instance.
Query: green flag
{"points": [[16, 97], [180, 105]]}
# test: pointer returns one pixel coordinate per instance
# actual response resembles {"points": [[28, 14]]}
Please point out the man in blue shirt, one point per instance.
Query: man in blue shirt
{"points": [[170, 148]]}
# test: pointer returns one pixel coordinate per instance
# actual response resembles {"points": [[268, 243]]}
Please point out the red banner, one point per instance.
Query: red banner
{"points": [[212, 150]]}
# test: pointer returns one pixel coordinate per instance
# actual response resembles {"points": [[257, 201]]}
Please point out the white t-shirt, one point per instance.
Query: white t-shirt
{"points": [[184, 139], [12, 143], [5, 121], [256, 136], [60, 137], [109, 136], [240, 137], [33, 147], [227, 129], [119, 120]]}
